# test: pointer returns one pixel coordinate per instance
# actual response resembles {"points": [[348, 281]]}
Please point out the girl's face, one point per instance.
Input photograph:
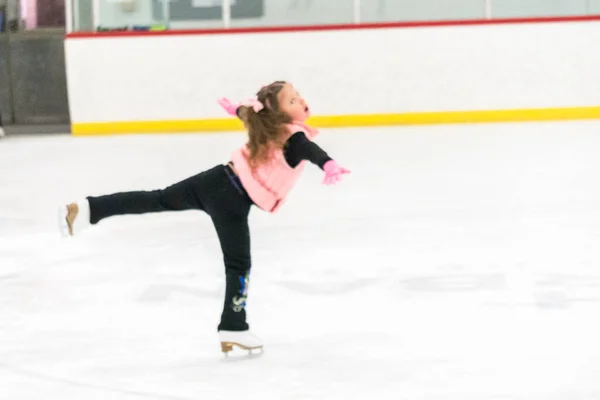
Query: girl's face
{"points": [[291, 103]]}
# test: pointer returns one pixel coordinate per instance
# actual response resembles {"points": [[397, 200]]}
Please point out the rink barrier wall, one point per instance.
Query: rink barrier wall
{"points": [[460, 72], [341, 121]]}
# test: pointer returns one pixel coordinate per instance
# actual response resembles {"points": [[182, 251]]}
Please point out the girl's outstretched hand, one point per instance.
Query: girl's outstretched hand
{"points": [[333, 172], [228, 106]]}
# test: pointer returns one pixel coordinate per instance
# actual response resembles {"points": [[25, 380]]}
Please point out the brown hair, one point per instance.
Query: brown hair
{"points": [[266, 128]]}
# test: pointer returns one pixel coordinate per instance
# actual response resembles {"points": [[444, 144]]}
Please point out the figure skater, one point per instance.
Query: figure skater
{"points": [[260, 173]]}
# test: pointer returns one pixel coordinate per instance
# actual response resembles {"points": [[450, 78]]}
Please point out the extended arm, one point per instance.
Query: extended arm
{"points": [[299, 148]]}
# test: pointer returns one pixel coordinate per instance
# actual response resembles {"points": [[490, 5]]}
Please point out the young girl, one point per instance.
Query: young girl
{"points": [[260, 173]]}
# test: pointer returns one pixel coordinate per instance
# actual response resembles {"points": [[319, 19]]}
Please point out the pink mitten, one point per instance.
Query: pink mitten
{"points": [[333, 172], [228, 106]]}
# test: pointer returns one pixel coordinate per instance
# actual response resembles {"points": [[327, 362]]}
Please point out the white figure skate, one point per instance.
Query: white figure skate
{"points": [[73, 218], [243, 340], [2, 134]]}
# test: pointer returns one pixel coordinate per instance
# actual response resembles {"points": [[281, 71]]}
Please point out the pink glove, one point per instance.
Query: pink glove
{"points": [[333, 172], [228, 106]]}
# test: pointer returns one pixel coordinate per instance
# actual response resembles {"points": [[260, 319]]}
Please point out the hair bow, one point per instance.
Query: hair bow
{"points": [[255, 104]]}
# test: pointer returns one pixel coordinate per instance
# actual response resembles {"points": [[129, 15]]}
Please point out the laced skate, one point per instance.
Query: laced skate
{"points": [[243, 340], [73, 218]]}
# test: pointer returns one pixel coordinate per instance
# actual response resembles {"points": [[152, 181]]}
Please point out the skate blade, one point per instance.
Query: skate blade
{"points": [[233, 357], [63, 226], [238, 352]]}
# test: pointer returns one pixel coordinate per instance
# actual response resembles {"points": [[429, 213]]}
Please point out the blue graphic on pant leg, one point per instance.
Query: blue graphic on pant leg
{"points": [[242, 284], [239, 302]]}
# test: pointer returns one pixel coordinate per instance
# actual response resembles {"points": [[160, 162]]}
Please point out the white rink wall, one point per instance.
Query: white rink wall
{"points": [[340, 72]]}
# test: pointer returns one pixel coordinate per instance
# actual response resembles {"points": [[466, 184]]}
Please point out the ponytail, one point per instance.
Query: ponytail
{"points": [[265, 124]]}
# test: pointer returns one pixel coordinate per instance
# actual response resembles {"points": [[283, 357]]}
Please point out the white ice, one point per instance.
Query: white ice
{"points": [[455, 262]]}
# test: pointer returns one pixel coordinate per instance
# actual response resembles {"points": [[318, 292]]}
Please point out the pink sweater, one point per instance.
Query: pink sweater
{"points": [[269, 184]]}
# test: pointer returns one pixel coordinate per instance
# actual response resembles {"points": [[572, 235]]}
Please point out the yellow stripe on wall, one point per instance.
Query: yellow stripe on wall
{"points": [[344, 121]]}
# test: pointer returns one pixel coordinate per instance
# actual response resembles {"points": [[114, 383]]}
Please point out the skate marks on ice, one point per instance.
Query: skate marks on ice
{"points": [[564, 290], [163, 292], [9, 277], [331, 288], [43, 376], [544, 291]]}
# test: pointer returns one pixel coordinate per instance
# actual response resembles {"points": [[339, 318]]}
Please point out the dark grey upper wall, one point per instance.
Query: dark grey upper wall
{"points": [[37, 78], [5, 102]]}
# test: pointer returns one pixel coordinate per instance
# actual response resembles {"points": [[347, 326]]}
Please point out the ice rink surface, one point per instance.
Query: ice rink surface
{"points": [[455, 263]]}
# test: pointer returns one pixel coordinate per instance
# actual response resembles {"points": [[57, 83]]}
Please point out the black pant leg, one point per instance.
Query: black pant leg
{"points": [[177, 197], [229, 207], [234, 236]]}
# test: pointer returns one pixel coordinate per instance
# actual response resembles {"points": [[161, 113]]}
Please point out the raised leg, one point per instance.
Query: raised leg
{"points": [[180, 196], [184, 195]]}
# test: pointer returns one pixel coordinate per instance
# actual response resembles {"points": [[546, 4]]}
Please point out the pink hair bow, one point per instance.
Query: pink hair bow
{"points": [[255, 104]]}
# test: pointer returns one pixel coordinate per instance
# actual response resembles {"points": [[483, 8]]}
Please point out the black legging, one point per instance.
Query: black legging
{"points": [[220, 194]]}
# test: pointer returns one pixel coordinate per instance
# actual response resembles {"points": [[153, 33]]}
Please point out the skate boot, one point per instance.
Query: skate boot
{"points": [[74, 217], [243, 340], [2, 134]]}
